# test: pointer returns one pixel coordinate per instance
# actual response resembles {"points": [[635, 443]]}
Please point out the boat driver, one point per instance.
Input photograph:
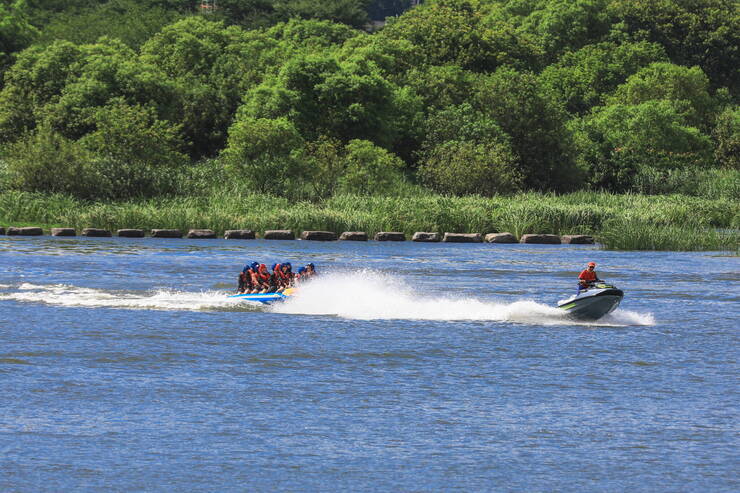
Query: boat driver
{"points": [[587, 277]]}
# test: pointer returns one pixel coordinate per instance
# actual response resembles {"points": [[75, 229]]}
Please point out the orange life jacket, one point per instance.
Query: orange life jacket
{"points": [[262, 275], [588, 276]]}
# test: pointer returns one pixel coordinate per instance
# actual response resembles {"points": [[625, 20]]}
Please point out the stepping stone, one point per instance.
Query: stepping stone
{"points": [[462, 238], [500, 238], [2, 231], [239, 234], [25, 231], [201, 234], [63, 232], [577, 239], [353, 236], [541, 239], [279, 234], [130, 233], [319, 235], [166, 233], [96, 233], [424, 237], [390, 236]]}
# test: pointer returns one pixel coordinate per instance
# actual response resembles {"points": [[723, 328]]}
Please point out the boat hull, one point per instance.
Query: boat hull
{"points": [[593, 306], [265, 299]]}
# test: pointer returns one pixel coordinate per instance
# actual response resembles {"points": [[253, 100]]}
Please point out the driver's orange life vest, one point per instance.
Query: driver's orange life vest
{"points": [[588, 275]]}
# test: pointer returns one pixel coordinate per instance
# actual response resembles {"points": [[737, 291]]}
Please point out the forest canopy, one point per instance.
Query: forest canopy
{"points": [[304, 99]]}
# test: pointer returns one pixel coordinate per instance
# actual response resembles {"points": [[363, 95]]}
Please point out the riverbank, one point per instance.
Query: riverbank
{"points": [[627, 222]]}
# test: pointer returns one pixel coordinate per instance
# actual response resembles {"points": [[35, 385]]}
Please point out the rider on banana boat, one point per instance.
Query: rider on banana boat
{"points": [[310, 271], [261, 280], [247, 278], [277, 279]]}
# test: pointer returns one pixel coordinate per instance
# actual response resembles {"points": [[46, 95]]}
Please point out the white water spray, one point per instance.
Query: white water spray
{"points": [[360, 295], [64, 295], [367, 295]]}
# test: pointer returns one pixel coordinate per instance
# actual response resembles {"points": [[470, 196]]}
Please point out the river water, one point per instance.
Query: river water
{"points": [[404, 367]]}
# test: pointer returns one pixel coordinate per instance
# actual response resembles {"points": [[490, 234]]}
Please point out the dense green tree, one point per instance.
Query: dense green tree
{"points": [[442, 86], [129, 154], [246, 13], [106, 71], [453, 32], [466, 152], [672, 83], [394, 57], [312, 34], [33, 82], [536, 126], [560, 25], [617, 140], [63, 84], [134, 154], [350, 12], [44, 161], [325, 163], [262, 13], [211, 67], [16, 32], [697, 32], [369, 169], [266, 153], [475, 96], [344, 100], [127, 20], [581, 79], [463, 167], [726, 135]]}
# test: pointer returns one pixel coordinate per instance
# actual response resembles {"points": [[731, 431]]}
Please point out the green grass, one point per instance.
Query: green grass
{"points": [[634, 222]]}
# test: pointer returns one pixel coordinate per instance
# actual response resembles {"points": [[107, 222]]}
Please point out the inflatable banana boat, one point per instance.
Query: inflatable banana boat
{"points": [[264, 298]]}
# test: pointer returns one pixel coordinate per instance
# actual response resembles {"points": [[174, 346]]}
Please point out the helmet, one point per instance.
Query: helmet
{"points": [[288, 265], [592, 264], [273, 266], [255, 265], [301, 270], [262, 267], [246, 267], [311, 265]]}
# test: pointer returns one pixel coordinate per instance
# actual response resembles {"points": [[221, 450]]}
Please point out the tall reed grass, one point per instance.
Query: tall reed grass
{"points": [[663, 222]]}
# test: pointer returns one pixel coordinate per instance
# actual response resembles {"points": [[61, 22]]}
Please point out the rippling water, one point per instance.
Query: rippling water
{"points": [[405, 367]]}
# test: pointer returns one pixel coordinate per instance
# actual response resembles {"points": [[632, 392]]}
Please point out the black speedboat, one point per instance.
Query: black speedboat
{"points": [[593, 303]]}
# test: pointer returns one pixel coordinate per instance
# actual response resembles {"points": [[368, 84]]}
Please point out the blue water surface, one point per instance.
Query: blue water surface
{"points": [[408, 367]]}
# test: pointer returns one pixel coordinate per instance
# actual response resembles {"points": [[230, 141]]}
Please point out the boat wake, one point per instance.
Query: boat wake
{"points": [[371, 296], [73, 296], [359, 295]]}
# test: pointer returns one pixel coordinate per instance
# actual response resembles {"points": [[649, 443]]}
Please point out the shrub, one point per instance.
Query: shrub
{"points": [[266, 153], [465, 167], [369, 169]]}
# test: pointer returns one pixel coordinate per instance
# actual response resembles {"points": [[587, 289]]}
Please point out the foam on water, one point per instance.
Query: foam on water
{"points": [[367, 295], [65, 295], [359, 295]]}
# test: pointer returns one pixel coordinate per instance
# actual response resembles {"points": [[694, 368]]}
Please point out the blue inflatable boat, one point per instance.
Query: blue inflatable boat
{"points": [[265, 298]]}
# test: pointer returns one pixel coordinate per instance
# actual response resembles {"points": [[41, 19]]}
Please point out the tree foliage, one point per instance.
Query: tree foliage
{"points": [[117, 99]]}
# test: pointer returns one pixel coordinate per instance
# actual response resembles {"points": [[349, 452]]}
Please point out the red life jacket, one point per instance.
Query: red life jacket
{"points": [[588, 276], [262, 275]]}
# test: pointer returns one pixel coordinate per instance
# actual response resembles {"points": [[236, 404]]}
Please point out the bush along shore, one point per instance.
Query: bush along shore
{"points": [[625, 222]]}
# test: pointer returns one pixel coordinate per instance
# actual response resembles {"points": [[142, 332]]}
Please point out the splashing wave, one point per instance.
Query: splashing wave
{"points": [[362, 295], [369, 296]]}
